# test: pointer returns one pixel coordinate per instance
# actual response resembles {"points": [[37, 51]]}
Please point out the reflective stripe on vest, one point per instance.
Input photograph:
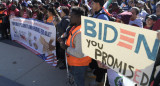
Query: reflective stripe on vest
{"points": [[73, 37], [72, 60], [1, 12], [50, 19]]}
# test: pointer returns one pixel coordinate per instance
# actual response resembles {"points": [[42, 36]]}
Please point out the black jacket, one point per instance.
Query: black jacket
{"points": [[61, 27], [157, 78]]}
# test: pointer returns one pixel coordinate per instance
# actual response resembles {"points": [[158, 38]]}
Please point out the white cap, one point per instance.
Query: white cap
{"points": [[29, 2], [60, 11], [141, 2], [39, 1]]}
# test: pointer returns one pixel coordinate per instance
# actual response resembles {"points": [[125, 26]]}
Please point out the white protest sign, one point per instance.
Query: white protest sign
{"points": [[126, 49]]}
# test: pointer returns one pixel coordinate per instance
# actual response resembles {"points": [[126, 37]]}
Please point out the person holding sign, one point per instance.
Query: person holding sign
{"points": [[25, 12], [150, 21], [155, 78], [156, 26], [76, 60], [36, 13], [53, 16], [134, 20], [98, 10], [61, 28], [3, 14]]}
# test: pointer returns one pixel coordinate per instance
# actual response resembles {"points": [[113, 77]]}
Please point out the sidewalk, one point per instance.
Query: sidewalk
{"points": [[20, 67]]}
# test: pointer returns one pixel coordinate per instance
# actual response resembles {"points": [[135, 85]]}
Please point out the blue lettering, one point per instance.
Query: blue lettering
{"points": [[100, 31], [105, 33], [42, 31], [90, 28], [49, 34], [30, 27], [151, 55]]}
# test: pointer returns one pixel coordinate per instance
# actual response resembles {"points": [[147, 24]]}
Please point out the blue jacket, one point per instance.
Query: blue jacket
{"points": [[101, 16]]}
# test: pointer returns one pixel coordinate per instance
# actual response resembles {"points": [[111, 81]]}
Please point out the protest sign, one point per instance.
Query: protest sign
{"points": [[36, 36], [126, 49]]}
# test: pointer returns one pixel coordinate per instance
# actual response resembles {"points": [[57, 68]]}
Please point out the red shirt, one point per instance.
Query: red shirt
{"points": [[156, 26], [25, 15], [34, 15], [14, 13], [69, 6], [9, 8], [149, 28]]}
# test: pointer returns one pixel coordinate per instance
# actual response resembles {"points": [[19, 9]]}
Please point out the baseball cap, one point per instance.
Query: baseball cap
{"points": [[158, 3], [153, 17], [29, 2], [141, 2], [45, 6]]}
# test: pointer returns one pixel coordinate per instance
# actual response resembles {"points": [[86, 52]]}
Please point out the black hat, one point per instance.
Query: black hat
{"points": [[35, 6], [46, 7], [24, 4], [101, 2], [13, 7], [153, 17], [51, 4], [56, 4], [114, 3]]}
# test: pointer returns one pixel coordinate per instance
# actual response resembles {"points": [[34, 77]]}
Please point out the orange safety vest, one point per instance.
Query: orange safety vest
{"points": [[1, 12], [50, 19], [74, 61]]}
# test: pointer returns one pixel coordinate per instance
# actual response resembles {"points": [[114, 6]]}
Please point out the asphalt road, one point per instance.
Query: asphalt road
{"points": [[20, 67]]}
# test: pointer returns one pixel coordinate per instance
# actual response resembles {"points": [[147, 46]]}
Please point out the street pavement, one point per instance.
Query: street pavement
{"points": [[20, 67]]}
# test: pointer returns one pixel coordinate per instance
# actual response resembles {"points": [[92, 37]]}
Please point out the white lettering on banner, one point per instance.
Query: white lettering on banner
{"points": [[30, 22], [128, 50], [34, 28]]}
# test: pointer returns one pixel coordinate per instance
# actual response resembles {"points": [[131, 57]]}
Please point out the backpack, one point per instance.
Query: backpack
{"points": [[109, 17]]}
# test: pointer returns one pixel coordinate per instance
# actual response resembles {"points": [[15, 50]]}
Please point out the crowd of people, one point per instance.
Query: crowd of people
{"points": [[66, 16]]}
